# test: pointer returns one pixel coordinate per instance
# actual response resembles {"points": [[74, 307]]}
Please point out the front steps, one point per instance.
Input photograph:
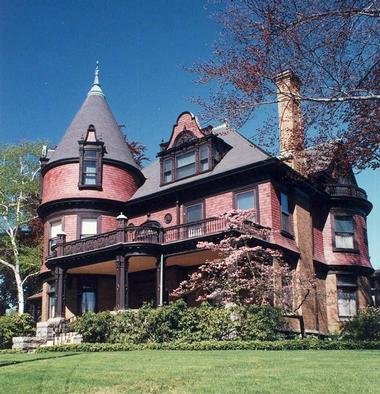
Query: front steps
{"points": [[53, 332]]}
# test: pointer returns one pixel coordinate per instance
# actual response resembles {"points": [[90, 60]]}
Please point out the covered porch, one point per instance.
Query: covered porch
{"points": [[126, 282]]}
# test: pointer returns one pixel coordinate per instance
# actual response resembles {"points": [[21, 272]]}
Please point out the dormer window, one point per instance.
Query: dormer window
{"points": [[90, 161], [90, 167], [204, 157], [168, 170], [182, 164], [185, 165], [190, 150]]}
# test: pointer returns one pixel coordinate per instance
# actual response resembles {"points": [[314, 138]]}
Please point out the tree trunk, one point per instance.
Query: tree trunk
{"points": [[20, 293]]}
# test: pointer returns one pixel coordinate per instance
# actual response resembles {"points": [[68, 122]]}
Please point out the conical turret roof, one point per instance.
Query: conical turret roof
{"points": [[94, 111]]}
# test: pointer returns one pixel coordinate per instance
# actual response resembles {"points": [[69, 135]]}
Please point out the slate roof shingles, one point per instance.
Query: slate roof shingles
{"points": [[95, 110], [243, 153]]}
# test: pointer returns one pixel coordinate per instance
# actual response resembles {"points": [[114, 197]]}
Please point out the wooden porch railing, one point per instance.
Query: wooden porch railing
{"points": [[144, 234]]}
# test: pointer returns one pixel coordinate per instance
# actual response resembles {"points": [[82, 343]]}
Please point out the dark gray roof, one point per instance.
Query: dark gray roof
{"points": [[243, 153], [96, 111]]}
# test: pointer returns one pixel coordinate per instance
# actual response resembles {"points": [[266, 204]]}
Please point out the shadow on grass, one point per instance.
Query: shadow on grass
{"points": [[14, 362]]}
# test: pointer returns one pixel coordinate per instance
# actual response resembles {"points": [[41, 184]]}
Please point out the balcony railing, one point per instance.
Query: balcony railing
{"points": [[193, 230], [346, 191], [152, 235]]}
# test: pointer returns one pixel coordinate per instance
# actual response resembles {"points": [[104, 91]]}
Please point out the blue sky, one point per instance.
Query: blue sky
{"points": [[48, 54]]}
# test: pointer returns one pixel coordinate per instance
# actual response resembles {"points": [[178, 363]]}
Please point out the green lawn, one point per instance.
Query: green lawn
{"points": [[192, 372]]}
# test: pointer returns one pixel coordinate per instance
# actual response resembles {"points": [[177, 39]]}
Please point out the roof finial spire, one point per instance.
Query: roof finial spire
{"points": [[96, 89]]}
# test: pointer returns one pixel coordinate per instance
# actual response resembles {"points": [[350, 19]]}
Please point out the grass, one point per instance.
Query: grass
{"points": [[147, 371]]}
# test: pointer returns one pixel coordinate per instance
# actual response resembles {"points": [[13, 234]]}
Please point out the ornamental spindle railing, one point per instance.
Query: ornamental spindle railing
{"points": [[152, 235], [346, 191]]}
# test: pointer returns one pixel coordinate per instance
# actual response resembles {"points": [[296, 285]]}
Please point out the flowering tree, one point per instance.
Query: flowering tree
{"points": [[334, 48], [244, 272]]}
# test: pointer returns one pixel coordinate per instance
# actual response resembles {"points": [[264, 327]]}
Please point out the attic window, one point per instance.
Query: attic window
{"points": [[183, 164], [90, 161]]}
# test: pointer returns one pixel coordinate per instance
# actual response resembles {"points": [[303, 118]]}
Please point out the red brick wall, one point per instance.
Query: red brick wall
{"points": [[219, 204], [216, 205], [266, 204], [62, 182], [158, 216], [108, 223]]}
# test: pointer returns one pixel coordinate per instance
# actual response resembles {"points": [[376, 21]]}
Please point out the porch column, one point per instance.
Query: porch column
{"points": [[59, 292], [160, 271], [122, 283]]}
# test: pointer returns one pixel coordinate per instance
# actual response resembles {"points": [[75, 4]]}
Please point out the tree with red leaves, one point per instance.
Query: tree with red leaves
{"points": [[332, 46]]}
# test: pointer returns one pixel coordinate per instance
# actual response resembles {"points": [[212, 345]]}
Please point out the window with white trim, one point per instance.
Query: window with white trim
{"points": [[344, 232], [168, 170], [245, 200], [88, 227], [185, 165], [204, 163], [347, 296], [55, 229]]}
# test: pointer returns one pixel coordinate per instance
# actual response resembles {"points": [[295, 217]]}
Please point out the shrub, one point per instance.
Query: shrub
{"points": [[364, 326], [177, 322], [94, 327], [293, 344], [206, 323], [15, 325], [259, 323]]}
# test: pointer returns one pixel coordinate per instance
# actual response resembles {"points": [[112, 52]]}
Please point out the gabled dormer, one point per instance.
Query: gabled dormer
{"points": [[191, 150]]}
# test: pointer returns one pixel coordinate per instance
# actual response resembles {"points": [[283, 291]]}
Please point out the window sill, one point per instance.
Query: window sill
{"points": [[185, 177], [90, 187], [287, 234], [343, 250]]}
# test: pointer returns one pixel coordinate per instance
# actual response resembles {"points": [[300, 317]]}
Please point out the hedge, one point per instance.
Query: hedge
{"points": [[292, 344], [178, 322]]}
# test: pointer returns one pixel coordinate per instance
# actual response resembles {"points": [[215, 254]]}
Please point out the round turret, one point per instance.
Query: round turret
{"points": [[89, 176]]}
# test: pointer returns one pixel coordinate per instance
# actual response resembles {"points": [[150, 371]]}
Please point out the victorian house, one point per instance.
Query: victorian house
{"points": [[116, 235]]}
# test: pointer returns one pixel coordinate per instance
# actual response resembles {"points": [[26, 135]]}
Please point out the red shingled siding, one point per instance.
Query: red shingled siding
{"points": [[341, 258], [62, 182]]}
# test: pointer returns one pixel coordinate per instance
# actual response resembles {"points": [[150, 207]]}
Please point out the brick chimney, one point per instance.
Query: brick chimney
{"points": [[289, 113]]}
